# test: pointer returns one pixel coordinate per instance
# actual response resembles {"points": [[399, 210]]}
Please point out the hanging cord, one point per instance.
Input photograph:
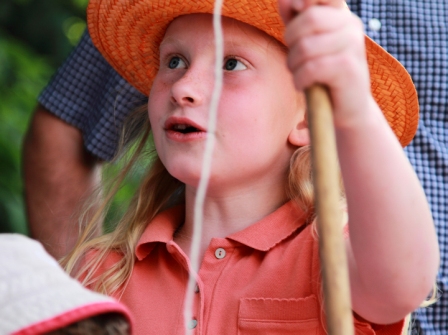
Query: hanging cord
{"points": [[206, 166]]}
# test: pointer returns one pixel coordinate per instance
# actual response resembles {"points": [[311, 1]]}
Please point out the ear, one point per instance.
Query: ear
{"points": [[300, 135]]}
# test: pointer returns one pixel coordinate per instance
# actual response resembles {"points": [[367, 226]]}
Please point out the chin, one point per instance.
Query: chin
{"points": [[187, 176]]}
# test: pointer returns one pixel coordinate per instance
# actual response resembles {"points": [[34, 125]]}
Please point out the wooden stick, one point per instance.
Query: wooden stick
{"points": [[328, 209]]}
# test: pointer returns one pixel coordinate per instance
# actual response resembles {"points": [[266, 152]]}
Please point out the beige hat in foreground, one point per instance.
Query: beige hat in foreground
{"points": [[37, 296]]}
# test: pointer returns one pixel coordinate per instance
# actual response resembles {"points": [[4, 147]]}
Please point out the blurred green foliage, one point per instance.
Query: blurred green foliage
{"points": [[47, 28], [35, 37], [22, 74]]}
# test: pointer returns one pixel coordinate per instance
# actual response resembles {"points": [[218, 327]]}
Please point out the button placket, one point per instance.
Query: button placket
{"points": [[216, 258], [193, 324]]}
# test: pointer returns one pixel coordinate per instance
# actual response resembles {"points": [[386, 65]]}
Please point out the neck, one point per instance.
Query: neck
{"points": [[229, 211]]}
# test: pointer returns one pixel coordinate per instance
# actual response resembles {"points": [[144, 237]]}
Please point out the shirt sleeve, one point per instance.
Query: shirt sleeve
{"points": [[88, 94]]}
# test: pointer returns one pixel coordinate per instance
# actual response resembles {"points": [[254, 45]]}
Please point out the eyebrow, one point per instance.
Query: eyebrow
{"points": [[169, 40], [177, 42]]}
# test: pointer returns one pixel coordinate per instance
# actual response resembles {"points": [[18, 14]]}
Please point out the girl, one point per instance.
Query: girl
{"points": [[259, 270]]}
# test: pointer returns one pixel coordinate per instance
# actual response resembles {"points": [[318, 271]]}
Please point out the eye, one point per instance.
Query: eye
{"points": [[233, 64], [176, 63]]}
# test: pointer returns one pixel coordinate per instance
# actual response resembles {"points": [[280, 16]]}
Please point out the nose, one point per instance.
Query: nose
{"points": [[192, 88]]}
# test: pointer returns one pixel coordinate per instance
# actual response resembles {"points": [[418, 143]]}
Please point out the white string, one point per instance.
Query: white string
{"points": [[206, 166]]}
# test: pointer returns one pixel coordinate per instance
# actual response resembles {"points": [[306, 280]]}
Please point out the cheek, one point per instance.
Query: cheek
{"points": [[155, 114], [237, 115], [157, 99]]}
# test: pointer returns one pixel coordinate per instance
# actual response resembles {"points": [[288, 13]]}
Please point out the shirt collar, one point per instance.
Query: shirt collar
{"points": [[160, 229], [272, 229], [262, 235]]}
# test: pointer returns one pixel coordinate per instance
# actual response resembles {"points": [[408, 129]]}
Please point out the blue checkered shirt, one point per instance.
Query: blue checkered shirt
{"points": [[88, 94], [416, 33]]}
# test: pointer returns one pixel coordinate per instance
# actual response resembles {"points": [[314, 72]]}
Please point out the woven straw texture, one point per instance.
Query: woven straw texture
{"points": [[128, 34]]}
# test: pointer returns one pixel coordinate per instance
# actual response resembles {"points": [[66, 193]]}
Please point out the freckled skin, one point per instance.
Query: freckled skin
{"points": [[257, 111]]}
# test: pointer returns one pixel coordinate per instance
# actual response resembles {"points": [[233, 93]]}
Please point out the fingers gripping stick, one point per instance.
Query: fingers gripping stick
{"points": [[327, 202]]}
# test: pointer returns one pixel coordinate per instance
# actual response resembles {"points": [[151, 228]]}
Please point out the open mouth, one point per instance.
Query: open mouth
{"points": [[184, 129]]}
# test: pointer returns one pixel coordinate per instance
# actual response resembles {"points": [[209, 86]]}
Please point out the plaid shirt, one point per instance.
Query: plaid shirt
{"points": [[88, 94], [416, 33]]}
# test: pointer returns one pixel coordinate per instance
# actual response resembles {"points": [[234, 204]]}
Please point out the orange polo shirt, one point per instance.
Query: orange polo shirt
{"points": [[262, 280]]}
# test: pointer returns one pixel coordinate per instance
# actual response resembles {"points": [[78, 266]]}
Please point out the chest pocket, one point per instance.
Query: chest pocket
{"points": [[279, 316]]}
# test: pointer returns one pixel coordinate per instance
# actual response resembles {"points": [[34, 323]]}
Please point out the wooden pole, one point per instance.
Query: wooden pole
{"points": [[328, 209]]}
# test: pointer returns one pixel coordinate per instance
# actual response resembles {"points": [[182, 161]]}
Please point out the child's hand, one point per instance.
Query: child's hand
{"points": [[326, 46]]}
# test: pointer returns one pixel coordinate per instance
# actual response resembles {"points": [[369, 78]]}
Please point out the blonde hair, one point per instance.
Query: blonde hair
{"points": [[156, 191]]}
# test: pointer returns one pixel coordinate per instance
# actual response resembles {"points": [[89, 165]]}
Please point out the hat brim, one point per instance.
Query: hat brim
{"points": [[128, 34], [38, 296], [77, 314]]}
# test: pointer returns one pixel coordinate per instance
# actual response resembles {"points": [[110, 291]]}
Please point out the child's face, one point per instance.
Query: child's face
{"points": [[258, 108]]}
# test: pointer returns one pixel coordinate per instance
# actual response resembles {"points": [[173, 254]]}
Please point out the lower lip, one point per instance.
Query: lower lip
{"points": [[188, 137]]}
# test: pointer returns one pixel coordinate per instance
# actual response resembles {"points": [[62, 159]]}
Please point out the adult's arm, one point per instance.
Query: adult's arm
{"points": [[88, 102], [58, 173]]}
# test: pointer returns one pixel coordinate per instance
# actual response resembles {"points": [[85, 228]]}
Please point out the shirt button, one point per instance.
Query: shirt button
{"points": [[196, 288], [220, 253], [192, 324], [375, 24]]}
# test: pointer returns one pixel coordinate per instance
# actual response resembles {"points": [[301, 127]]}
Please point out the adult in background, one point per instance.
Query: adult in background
{"points": [[71, 134], [69, 137]]}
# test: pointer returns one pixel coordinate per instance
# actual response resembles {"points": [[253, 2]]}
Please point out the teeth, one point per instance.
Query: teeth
{"points": [[180, 127]]}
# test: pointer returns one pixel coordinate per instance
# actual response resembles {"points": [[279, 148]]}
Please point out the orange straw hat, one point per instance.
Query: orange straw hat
{"points": [[128, 34]]}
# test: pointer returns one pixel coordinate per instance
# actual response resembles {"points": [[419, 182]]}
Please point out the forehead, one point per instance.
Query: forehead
{"points": [[234, 31]]}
